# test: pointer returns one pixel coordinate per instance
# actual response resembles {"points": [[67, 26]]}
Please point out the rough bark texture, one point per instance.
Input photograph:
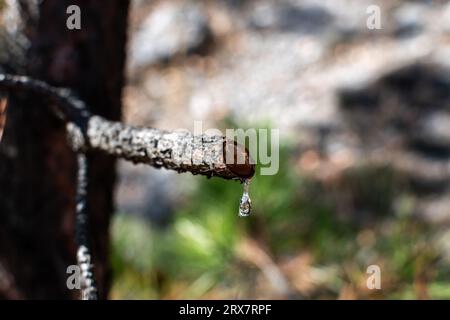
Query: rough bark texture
{"points": [[179, 150], [88, 284], [37, 167]]}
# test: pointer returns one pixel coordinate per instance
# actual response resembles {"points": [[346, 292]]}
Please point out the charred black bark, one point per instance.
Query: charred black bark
{"points": [[38, 168]]}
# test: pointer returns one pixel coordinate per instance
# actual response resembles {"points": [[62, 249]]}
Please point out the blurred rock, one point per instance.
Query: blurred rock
{"points": [[346, 94], [403, 119], [412, 103], [290, 18], [436, 209], [409, 20], [172, 28], [435, 128]]}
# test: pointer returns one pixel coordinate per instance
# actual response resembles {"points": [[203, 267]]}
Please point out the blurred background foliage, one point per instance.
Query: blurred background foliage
{"points": [[364, 118], [295, 244]]}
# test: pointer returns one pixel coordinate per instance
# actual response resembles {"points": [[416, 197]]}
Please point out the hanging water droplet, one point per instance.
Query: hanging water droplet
{"points": [[245, 205]]}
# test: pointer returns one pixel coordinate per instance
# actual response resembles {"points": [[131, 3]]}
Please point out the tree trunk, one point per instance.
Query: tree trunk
{"points": [[37, 168]]}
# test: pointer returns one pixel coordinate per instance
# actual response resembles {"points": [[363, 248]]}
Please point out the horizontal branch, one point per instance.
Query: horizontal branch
{"points": [[178, 150]]}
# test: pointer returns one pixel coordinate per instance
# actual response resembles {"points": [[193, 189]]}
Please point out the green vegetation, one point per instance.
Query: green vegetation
{"points": [[298, 226]]}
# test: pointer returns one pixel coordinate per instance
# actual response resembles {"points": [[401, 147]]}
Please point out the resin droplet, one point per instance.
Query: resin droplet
{"points": [[245, 206]]}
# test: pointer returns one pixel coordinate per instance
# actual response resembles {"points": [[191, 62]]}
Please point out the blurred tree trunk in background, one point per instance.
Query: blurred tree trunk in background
{"points": [[37, 168]]}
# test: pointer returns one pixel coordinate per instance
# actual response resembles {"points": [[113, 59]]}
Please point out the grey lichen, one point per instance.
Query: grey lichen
{"points": [[178, 150]]}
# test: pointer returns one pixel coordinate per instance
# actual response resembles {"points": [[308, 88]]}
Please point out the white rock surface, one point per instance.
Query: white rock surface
{"points": [[170, 29]]}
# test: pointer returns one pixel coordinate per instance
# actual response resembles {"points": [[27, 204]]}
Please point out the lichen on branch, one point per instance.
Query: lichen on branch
{"points": [[178, 150]]}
